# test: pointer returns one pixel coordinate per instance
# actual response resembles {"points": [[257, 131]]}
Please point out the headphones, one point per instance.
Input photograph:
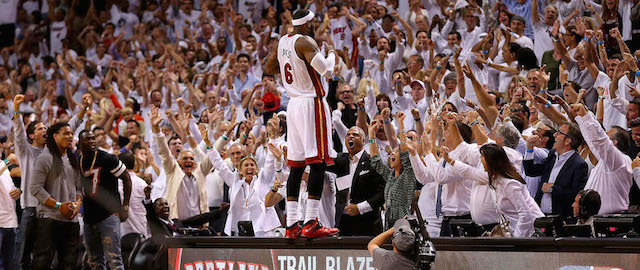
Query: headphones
{"points": [[581, 208]]}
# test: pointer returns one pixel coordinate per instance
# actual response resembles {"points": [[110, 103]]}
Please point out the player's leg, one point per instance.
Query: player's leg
{"points": [[296, 157], [293, 189], [317, 158]]}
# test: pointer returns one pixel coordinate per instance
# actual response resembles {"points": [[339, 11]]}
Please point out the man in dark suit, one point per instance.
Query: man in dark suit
{"points": [[160, 224], [360, 189], [564, 173]]}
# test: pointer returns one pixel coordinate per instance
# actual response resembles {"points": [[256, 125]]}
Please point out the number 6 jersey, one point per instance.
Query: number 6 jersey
{"points": [[298, 77], [100, 186]]}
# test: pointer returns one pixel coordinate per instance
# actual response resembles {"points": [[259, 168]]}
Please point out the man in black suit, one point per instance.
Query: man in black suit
{"points": [[160, 224], [564, 173], [360, 189]]}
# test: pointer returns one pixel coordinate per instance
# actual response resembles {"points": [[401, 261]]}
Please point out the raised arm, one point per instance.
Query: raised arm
{"points": [[487, 101], [308, 50], [599, 142]]}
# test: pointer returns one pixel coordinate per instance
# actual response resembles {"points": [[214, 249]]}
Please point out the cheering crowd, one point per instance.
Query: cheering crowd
{"points": [[154, 117]]}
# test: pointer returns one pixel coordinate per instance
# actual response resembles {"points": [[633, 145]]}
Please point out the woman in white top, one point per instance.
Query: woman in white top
{"points": [[248, 189], [512, 197]]}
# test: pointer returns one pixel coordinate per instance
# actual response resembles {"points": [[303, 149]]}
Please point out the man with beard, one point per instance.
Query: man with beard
{"points": [[29, 144], [301, 65], [103, 210]]}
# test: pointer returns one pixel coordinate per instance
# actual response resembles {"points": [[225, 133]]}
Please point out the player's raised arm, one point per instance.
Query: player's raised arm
{"points": [[311, 53]]}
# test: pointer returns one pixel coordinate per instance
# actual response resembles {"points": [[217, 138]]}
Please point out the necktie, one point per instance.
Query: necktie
{"points": [[173, 227], [439, 196], [439, 201]]}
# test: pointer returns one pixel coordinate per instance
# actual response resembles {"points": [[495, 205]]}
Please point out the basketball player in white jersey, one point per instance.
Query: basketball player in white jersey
{"points": [[301, 66]]}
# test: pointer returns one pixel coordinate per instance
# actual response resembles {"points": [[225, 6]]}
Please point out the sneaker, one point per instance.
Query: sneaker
{"points": [[294, 231], [313, 229]]}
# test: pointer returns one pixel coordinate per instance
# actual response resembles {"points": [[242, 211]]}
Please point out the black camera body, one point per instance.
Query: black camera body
{"points": [[424, 252]]}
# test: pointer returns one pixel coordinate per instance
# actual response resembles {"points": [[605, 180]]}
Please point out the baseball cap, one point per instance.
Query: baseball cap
{"points": [[403, 235], [418, 82]]}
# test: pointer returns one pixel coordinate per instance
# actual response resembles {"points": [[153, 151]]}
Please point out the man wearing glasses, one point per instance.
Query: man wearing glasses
{"points": [[563, 173]]}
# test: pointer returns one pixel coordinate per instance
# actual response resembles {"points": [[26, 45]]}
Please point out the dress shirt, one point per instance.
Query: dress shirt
{"points": [[248, 83], [533, 182], [545, 204], [137, 221], [428, 194], [456, 190], [171, 224], [188, 198], [511, 198], [613, 176]]}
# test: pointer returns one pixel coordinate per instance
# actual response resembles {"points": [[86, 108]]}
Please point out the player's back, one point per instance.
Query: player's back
{"points": [[298, 77]]}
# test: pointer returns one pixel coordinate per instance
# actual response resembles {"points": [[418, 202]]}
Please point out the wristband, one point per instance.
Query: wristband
{"points": [[209, 147], [224, 137], [602, 97], [587, 39], [438, 68], [360, 109], [381, 62], [473, 123], [274, 190], [16, 113], [548, 104], [6, 161], [485, 52], [57, 206], [372, 141], [387, 122], [529, 150], [542, 91], [600, 42], [244, 135], [637, 73], [335, 78]]}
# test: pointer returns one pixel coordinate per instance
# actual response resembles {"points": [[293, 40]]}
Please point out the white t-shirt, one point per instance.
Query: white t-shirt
{"points": [[542, 34], [57, 33], [8, 11]]}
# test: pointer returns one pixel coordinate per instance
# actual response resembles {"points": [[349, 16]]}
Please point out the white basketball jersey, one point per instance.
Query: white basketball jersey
{"points": [[298, 77], [341, 34]]}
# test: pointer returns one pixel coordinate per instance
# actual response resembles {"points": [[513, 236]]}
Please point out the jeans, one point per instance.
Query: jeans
{"points": [[7, 248], [26, 237], [56, 236], [103, 240]]}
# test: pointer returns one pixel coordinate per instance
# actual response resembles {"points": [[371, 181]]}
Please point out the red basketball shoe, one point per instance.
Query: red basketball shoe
{"points": [[313, 229], [294, 231]]}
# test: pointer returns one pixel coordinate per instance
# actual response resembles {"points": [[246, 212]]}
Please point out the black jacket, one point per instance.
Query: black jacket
{"points": [[367, 185], [571, 179], [160, 229]]}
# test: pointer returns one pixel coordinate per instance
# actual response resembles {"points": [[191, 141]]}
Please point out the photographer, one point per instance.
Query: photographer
{"points": [[403, 243]]}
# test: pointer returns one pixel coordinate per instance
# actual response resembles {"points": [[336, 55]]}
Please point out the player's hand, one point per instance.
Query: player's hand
{"points": [[124, 213]]}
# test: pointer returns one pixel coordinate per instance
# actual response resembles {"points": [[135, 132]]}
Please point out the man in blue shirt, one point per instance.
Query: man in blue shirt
{"points": [[244, 79]]}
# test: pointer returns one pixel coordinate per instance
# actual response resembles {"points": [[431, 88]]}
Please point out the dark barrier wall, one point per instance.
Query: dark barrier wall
{"points": [[199, 253]]}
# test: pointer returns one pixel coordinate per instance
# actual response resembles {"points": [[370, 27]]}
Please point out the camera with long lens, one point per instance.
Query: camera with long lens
{"points": [[424, 252]]}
